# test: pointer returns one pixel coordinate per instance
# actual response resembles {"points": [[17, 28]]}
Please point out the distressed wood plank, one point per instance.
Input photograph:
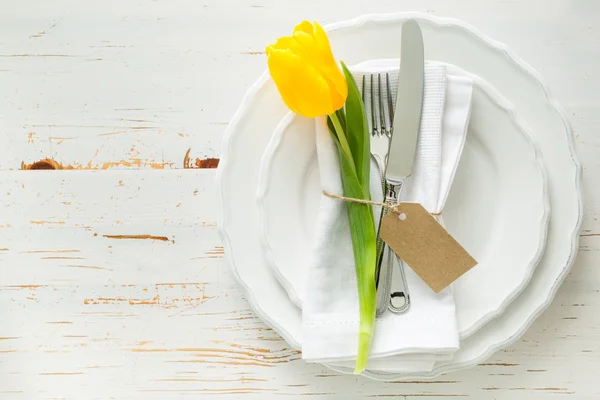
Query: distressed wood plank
{"points": [[147, 303]]}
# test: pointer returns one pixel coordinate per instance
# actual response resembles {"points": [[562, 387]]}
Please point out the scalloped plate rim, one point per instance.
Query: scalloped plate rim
{"points": [[396, 17]]}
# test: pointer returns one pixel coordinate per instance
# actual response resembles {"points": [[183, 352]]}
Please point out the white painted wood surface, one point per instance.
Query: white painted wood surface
{"points": [[112, 278]]}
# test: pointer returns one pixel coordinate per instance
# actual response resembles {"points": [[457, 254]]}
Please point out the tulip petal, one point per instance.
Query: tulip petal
{"points": [[302, 87], [282, 43], [306, 41], [322, 43], [305, 27], [317, 51], [336, 77], [337, 85]]}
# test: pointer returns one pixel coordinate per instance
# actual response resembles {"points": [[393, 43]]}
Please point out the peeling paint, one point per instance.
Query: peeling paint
{"points": [[176, 296], [207, 163], [133, 163], [142, 237], [52, 251], [57, 223]]}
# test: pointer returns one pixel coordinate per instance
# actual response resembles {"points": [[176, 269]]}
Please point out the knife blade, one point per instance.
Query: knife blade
{"points": [[401, 155], [409, 102]]}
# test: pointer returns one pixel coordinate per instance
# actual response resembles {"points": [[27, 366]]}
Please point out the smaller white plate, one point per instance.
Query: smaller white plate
{"points": [[498, 207]]}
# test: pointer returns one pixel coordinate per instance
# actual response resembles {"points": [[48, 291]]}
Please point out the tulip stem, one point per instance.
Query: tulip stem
{"points": [[341, 136]]}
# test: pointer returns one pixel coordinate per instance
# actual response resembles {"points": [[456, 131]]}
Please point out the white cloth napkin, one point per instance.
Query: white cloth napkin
{"points": [[412, 341]]}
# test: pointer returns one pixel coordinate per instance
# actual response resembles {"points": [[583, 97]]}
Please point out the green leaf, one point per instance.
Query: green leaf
{"points": [[332, 129], [340, 136], [341, 114], [362, 230], [357, 134], [350, 132]]}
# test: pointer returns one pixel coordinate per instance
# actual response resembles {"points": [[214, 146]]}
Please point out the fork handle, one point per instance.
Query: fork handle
{"points": [[385, 257], [384, 288], [382, 282]]}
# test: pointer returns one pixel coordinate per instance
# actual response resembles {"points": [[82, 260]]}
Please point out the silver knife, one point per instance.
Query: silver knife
{"points": [[403, 146]]}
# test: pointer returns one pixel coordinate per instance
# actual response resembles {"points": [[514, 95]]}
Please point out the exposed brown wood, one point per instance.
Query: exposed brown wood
{"points": [[142, 237]]}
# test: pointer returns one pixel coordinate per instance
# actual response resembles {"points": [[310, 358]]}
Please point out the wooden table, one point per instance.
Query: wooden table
{"points": [[112, 278]]}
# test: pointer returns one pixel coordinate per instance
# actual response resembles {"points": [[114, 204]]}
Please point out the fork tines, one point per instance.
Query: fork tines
{"points": [[379, 103]]}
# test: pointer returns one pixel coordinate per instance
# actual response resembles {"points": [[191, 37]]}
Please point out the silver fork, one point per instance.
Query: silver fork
{"points": [[379, 107]]}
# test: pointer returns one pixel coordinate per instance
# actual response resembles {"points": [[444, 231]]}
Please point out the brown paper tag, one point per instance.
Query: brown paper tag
{"points": [[423, 243]]}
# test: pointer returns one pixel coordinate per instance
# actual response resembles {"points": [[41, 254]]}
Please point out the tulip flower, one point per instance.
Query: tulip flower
{"points": [[312, 84], [305, 72]]}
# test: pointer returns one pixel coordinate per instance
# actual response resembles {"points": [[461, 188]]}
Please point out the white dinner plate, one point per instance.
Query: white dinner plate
{"points": [[499, 180], [446, 40]]}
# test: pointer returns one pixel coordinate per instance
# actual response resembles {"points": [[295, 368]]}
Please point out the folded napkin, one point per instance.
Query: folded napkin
{"points": [[330, 319]]}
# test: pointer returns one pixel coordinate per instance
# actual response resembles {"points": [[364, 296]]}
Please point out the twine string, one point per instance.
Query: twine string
{"points": [[390, 206]]}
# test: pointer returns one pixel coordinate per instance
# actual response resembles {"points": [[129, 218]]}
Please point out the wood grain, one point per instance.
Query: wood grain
{"points": [[112, 278]]}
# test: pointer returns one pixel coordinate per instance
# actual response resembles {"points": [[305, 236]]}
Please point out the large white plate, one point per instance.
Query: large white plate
{"points": [[499, 180], [447, 40]]}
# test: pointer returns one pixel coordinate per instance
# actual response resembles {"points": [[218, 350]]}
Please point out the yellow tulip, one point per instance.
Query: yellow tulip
{"points": [[306, 73]]}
